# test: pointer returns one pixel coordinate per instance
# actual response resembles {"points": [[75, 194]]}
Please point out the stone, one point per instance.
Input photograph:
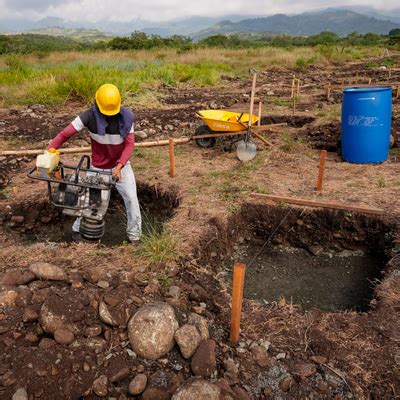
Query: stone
{"points": [[162, 385], [304, 370], [93, 331], [18, 219], [51, 318], [20, 394], [120, 375], [31, 337], [231, 373], [260, 356], [105, 315], [198, 389], [204, 362], [30, 314], [188, 339], [141, 134], [64, 336], [241, 394], [286, 384], [323, 387], [198, 293], [201, 324], [47, 271], [103, 284], [92, 275], [47, 343], [86, 367], [8, 298], [319, 359], [174, 292], [151, 330], [100, 386], [17, 277], [268, 392], [138, 384]]}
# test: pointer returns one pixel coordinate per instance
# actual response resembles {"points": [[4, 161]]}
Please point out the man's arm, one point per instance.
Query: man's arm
{"points": [[74, 127], [129, 145]]}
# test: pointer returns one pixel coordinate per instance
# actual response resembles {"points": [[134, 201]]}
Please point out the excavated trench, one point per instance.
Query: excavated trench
{"points": [[326, 260], [39, 221]]}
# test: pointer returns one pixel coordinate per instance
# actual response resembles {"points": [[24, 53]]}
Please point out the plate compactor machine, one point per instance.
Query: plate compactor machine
{"points": [[79, 191]]}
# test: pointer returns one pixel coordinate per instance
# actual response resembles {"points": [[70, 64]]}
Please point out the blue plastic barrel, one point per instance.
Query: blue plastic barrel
{"points": [[366, 123]]}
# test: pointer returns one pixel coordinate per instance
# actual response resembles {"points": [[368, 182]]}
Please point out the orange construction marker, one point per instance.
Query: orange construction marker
{"points": [[239, 271]]}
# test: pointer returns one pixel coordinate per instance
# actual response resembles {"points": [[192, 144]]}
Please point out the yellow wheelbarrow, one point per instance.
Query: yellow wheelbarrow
{"points": [[220, 123]]}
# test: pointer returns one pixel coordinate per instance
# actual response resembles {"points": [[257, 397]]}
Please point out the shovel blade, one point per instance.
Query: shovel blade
{"points": [[246, 151]]}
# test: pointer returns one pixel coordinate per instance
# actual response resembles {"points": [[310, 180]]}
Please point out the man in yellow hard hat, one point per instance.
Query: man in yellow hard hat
{"points": [[112, 138]]}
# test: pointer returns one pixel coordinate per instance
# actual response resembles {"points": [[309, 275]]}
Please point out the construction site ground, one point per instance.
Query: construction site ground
{"points": [[210, 214]]}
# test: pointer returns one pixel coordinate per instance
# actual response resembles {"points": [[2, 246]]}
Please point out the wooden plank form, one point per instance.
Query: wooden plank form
{"points": [[319, 204]]}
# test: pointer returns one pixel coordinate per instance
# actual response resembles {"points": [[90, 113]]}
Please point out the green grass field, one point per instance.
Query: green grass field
{"points": [[55, 78]]}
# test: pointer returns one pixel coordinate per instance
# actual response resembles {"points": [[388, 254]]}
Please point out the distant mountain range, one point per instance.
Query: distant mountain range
{"points": [[341, 20]]}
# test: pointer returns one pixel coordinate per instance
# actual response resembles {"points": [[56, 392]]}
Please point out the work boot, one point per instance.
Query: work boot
{"points": [[135, 242], [76, 237]]}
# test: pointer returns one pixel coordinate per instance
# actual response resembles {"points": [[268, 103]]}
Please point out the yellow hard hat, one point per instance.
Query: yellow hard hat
{"points": [[108, 99]]}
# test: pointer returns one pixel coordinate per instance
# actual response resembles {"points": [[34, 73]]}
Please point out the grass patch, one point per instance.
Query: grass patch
{"points": [[157, 246], [282, 102]]}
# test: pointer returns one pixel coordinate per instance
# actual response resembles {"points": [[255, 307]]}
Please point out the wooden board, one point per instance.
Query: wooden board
{"points": [[319, 204]]}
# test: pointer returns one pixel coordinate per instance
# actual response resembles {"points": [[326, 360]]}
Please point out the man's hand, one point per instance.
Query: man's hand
{"points": [[117, 172]]}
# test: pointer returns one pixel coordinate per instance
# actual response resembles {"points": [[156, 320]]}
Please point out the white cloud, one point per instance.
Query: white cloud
{"points": [[165, 10]]}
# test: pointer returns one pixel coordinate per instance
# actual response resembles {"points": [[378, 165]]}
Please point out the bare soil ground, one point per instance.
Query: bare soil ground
{"points": [[209, 210]]}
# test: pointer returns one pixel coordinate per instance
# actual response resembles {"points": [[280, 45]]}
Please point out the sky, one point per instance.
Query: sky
{"points": [[165, 10]]}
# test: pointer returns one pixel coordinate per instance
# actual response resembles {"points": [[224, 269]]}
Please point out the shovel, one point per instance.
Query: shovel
{"points": [[246, 149]]}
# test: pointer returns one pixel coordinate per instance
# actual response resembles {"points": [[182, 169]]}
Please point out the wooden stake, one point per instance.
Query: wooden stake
{"points": [[293, 82], [259, 137], [369, 81], [298, 87], [319, 204], [322, 159], [294, 105], [88, 149], [171, 157], [259, 113], [239, 271]]}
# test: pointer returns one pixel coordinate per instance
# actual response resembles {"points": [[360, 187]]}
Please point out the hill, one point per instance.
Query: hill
{"points": [[78, 34], [341, 22]]}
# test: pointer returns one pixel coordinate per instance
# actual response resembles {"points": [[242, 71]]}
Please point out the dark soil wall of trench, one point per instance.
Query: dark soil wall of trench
{"points": [[30, 220], [324, 259]]}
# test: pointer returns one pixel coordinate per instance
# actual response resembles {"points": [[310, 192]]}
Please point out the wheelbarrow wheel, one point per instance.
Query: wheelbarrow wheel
{"points": [[205, 143]]}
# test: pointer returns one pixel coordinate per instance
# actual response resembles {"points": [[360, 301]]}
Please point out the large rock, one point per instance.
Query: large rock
{"points": [[188, 339], [47, 271], [198, 389], [151, 330], [204, 362], [17, 277], [59, 313]]}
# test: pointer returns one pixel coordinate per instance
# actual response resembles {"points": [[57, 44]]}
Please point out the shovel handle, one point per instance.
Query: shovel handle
{"points": [[253, 91]]}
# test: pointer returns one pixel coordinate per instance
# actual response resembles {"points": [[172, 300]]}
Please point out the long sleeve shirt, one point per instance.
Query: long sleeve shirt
{"points": [[108, 149]]}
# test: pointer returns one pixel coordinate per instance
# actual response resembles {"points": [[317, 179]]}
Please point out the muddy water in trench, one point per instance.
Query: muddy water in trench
{"points": [[329, 282]]}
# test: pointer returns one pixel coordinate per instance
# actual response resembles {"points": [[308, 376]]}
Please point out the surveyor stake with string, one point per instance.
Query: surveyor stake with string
{"points": [[112, 138]]}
